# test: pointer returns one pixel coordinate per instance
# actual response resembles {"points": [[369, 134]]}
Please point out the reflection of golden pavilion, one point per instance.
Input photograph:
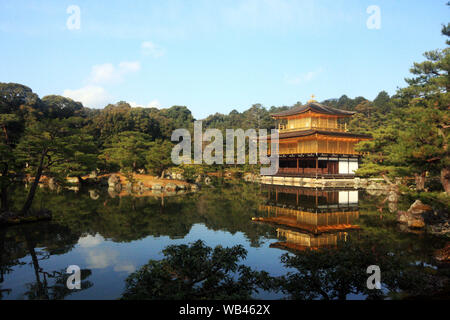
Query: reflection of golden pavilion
{"points": [[310, 218], [298, 241]]}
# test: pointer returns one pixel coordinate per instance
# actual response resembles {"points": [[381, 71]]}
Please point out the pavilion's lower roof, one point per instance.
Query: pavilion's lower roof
{"points": [[305, 133]]}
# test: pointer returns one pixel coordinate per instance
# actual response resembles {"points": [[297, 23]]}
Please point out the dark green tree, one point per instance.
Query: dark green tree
{"points": [[195, 272], [159, 157], [51, 147], [382, 103], [127, 150], [18, 104], [61, 107]]}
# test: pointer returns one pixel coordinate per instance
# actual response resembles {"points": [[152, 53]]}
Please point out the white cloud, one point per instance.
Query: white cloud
{"points": [[89, 96], [109, 74], [151, 104], [90, 241], [93, 95], [152, 49], [302, 78], [103, 73], [101, 258]]}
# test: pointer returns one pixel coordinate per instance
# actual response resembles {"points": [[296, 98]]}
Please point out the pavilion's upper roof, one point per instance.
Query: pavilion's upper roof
{"points": [[313, 107]]}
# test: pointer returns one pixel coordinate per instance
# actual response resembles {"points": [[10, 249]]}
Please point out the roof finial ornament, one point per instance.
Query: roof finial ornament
{"points": [[312, 99]]}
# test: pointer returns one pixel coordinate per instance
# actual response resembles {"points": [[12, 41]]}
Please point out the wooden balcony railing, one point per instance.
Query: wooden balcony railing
{"points": [[311, 172], [339, 128], [303, 170]]}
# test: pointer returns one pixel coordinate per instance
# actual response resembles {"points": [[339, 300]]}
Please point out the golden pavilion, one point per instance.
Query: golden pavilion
{"points": [[314, 142]]}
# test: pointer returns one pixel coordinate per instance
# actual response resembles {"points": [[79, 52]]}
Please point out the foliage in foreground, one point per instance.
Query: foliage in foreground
{"points": [[195, 272]]}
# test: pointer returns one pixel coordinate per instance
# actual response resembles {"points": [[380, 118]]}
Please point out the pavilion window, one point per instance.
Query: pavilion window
{"points": [[291, 124], [307, 122], [332, 123], [323, 123]]}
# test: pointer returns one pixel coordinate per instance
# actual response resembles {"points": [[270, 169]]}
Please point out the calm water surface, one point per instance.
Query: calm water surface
{"points": [[111, 236]]}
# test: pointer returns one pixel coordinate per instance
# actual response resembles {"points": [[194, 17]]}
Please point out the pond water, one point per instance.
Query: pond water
{"points": [[110, 236]]}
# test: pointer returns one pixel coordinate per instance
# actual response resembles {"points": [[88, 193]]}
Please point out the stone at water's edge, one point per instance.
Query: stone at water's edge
{"points": [[93, 194], [416, 223], [443, 255], [171, 186], [413, 218], [113, 180], [129, 186], [194, 187], [418, 208], [157, 187], [198, 179]]}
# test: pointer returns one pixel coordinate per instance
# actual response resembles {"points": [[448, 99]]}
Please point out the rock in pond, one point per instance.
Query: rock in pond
{"points": [[413, 218], [113, 180], [157, 186], [171, 186]]}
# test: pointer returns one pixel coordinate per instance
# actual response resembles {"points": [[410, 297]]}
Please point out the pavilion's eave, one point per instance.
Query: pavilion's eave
{"points": [[306, 133]]}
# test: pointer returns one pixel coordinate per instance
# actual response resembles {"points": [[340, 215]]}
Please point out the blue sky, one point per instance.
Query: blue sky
{"points": [[215, 56]]}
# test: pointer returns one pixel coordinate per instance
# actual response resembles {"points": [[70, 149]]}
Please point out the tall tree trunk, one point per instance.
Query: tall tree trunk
{"points": [[445, 179], [420, 181], [162, 174], [33, 188]]}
